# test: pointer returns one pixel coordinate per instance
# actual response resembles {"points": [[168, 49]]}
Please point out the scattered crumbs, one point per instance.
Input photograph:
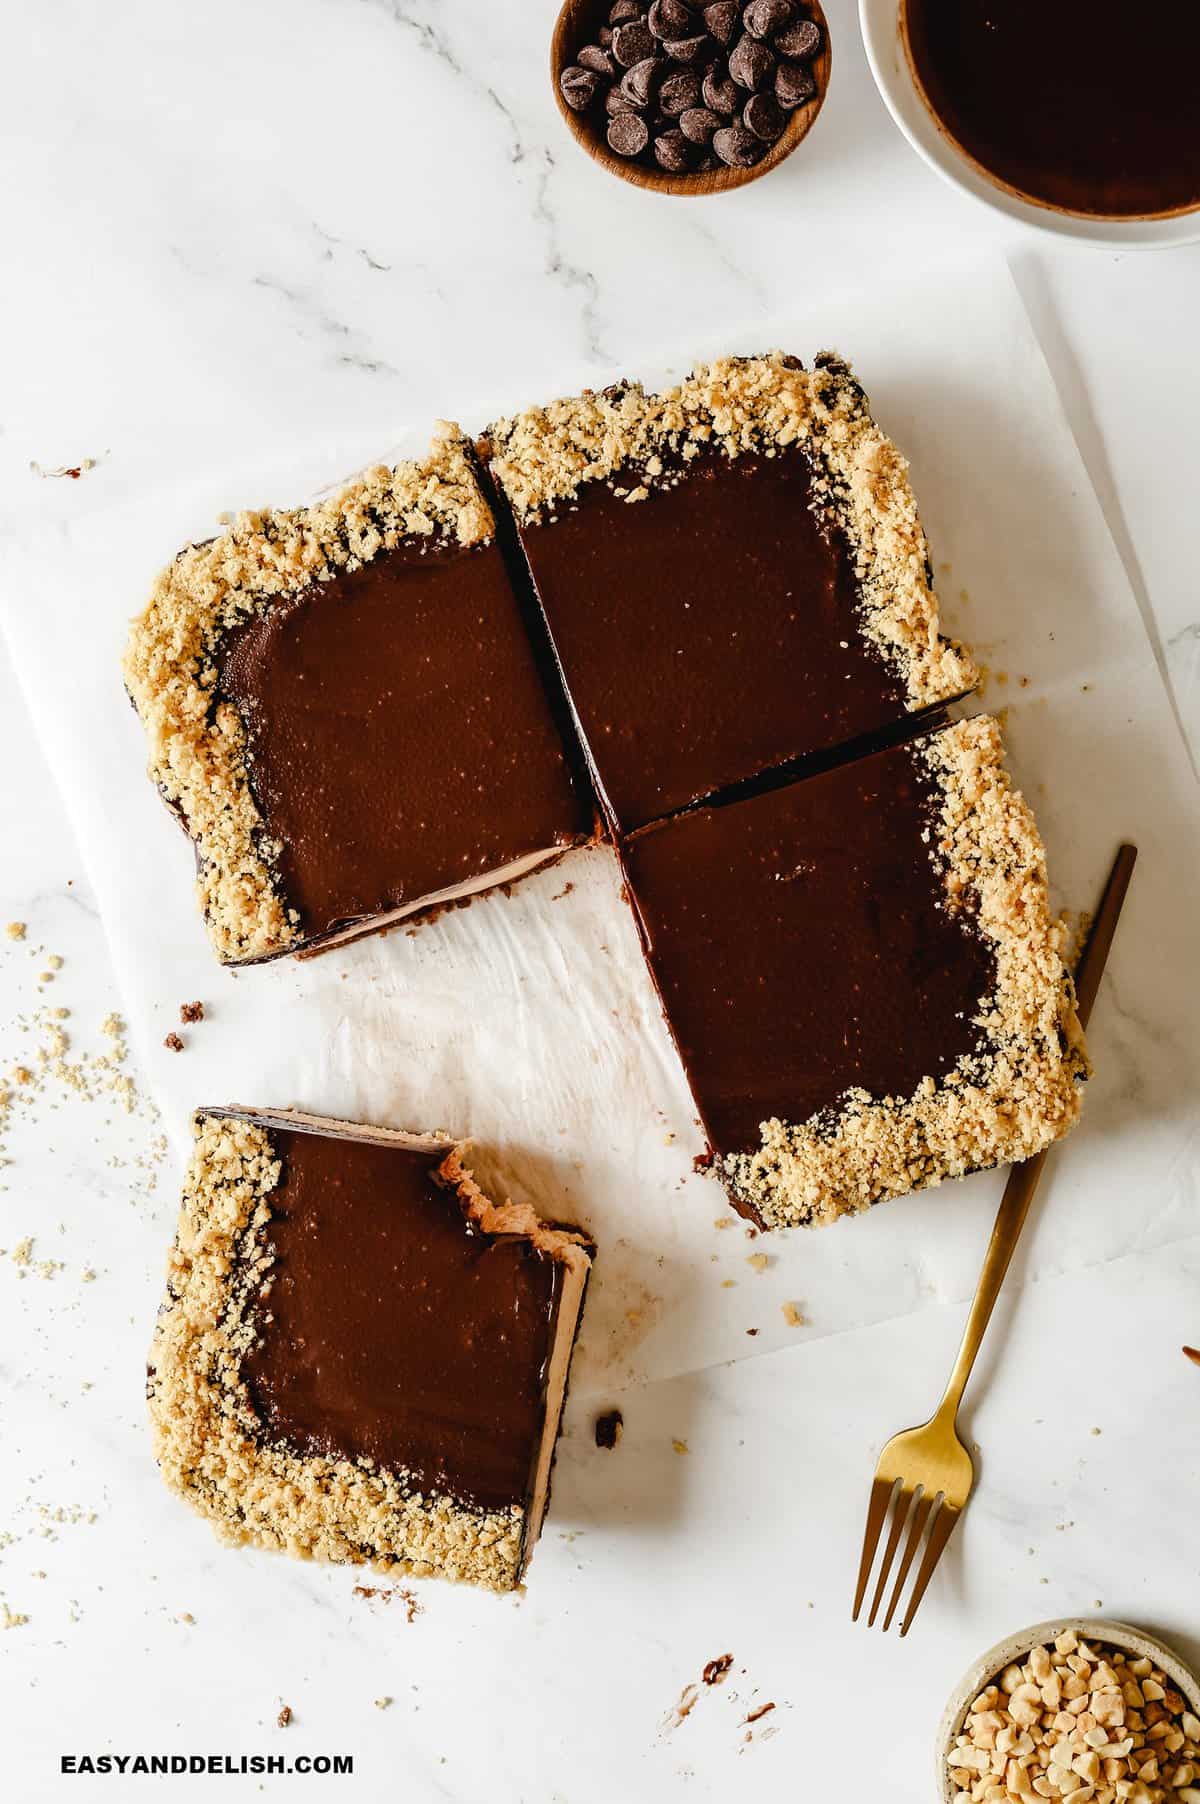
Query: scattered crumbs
{"points": [[190, 1012], [412, 1603], [1192, 1353], [723, 1221], [382, 1703], [682, 1709], [1097, 1603], [792, 1315], [285, 1716], [680, 1446], [756, 1715], [15, 930], [173, 1043], [22, 1253], [112, 1026], [187, 1617], [752, 1331], [72, 471], [88, 1275], [564, 891], [758, 1262], [716, 1672], [609, 1428], [728, 1283], [11, 1619], [1096, 1431]]}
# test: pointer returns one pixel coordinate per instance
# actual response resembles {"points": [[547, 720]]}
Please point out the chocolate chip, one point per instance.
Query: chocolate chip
{"points": [[678, 93], [722, 21], [622, 11], [604, 36], [793, 85], [669, 19], [750, 63], [687, 50], [597, 60], [628, 134], [608, 1429], [632, 43], [637, 84], [764, 116], [578, 87], [720, 93], [799, 40], [763, 18], [738, 147], [699, 123], [673, 152], [615, 102]]}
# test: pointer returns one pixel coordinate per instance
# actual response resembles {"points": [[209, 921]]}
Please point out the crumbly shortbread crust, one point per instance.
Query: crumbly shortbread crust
{"points": [[207, 1437], [197, 742], [1004, 1103], [543, 456]]}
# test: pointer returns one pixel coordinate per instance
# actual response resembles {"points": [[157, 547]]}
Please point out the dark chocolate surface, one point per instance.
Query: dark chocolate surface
{"points": [[399, 731], [799, 948], [708, 632], [1085, 104], [398, 1333]]}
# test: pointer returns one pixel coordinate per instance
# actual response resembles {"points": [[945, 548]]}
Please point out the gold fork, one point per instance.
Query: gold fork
{"points": [[924, 1475]]}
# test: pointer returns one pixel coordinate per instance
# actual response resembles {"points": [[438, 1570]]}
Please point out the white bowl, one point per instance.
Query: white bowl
{"points": [[1093, 1630], [880, 21]]}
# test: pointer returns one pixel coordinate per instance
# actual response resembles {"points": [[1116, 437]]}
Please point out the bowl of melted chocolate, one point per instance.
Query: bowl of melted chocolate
{"points": [[1079, 115]]}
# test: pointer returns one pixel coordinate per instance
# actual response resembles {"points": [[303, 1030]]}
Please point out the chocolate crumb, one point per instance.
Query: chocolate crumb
{"points": [[173, 1043], [609, 1429], [190, 1012], [760, 1712], [716, 1670], [1193, 1353], [285, 1716]]}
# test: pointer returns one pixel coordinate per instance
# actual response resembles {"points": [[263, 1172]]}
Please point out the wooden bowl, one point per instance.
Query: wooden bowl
{"points": [[578, 23]]}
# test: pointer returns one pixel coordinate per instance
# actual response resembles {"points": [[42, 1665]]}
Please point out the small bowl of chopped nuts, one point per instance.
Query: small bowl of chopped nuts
{"points": [[1094, 1712], [684, 97]]}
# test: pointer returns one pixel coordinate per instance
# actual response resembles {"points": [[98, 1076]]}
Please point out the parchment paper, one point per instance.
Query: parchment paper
{"points": [[527, 1021]]}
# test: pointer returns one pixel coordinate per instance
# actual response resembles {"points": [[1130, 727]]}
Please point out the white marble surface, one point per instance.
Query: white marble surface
{"points": [[230, 227]]}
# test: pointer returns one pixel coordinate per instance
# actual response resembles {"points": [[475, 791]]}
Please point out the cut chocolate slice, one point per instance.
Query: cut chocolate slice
{"points": [[863, 977], [733, 574], [345, 709], [361, 1357]]}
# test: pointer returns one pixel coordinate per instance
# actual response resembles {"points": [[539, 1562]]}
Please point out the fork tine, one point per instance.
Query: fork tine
{"points": [[900, 1513], [920, 1517], [882, 1490], [940, 1531]]}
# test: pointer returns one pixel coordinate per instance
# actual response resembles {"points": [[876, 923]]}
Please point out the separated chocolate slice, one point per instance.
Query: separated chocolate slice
{"points": [[360, 1356], [733, 573], [863, 977], [345, 709]]}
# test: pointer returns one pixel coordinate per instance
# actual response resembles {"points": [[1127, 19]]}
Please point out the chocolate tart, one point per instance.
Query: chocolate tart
{"points": [[346, 710], [863, 977], [733, 573], [361, 1357]]}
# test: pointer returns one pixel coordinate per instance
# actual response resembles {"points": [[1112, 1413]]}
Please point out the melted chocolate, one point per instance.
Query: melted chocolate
{"points": [[799, 948], [398, 1333], [706, 633], [400, 735], [1086, 105]]}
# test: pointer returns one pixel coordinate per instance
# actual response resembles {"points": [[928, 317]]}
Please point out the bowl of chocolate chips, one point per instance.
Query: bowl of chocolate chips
{"points": [[686, 98]]}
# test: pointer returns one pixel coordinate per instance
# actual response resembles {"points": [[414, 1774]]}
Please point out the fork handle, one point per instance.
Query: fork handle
{"points": [[1023, 1179]]}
